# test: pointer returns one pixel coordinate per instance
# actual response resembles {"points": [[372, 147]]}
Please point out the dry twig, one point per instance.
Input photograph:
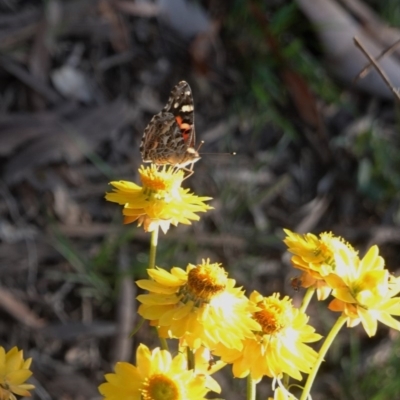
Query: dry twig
{"points": [[364, 72], [380, 71]]}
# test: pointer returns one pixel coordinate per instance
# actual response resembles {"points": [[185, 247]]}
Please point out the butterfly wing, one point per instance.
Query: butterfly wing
{"points": [[169, 138], [160, 137], [180, 104]]}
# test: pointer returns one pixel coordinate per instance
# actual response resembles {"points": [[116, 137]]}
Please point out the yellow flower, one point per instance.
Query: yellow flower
{"points": [[200, 306], [160, 202], [315, 257], [157, 376], [279, 346], [364, 291], [14, 371]]}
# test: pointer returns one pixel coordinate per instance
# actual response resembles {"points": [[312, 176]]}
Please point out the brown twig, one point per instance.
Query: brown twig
{"points": [[363, 73], [378, 68], [19, 310]]}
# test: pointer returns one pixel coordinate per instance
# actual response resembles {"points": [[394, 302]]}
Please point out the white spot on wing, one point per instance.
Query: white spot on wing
{"points": [[187, 108]]}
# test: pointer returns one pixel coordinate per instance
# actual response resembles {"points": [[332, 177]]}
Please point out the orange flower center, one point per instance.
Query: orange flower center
{"points": [[274, 315], [164, 180], [204, 282]]}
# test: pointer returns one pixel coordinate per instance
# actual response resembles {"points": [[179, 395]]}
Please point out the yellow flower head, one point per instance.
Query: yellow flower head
{"points": [[200, 306], [279, 346], [160, 202], [364, 291], [157, 376], [14, 371], [316, 257]]}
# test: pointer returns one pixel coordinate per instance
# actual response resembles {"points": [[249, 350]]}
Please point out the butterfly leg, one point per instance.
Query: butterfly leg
{"points": [[189, 171]]}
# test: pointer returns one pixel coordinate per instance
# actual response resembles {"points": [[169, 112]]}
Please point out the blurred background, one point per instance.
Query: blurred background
{"points": [[272, 81]]}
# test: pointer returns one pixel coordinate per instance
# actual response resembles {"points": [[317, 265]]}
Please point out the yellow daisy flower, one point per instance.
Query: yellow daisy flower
{"points": [[364, 291], [278, 347], [14, 371], [160, 202], [200, 306], [315, 257], [157, 376]]}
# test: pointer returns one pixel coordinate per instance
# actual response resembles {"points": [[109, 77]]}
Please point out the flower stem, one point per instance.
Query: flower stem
{"points": [[190, 358], [325, 347], [251, 388], [306, 299], [163, 343], [153, 248], [285, 380]]}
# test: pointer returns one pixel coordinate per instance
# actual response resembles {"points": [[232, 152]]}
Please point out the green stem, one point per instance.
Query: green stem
{"points": [[190, 358], [163, 343], [153, 248], [251, 388], [306, 299], [285, 380], [325, 347]]}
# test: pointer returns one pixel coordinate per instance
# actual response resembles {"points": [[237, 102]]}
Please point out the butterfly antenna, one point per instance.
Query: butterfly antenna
{"points": [[200, 144], [233, 153]]}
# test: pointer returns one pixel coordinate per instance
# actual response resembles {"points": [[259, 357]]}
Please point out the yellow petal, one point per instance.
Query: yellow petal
{"points": [[372, 260], [155, 287], [368, 321], [143, 359], [391, 306], [344, 295], [388, 320]]}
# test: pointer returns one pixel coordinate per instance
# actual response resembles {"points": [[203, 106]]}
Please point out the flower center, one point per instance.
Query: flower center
{"points": [[323, 252], [165, 180], [160, 387], [274, 315], [204, 282]]}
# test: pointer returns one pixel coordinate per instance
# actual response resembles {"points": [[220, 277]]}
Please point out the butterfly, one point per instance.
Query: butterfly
{"points": [[170, 138]]}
